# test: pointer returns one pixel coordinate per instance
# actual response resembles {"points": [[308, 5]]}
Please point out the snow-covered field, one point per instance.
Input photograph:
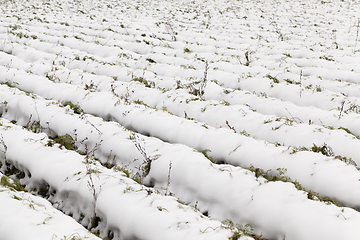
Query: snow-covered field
{"points": [[158, 120]]}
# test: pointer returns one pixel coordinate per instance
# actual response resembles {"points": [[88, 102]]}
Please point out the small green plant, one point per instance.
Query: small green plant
{"points": [[279, 176], [324, 149], [289, 121], [243, 132], [65, 141], [268, 121], [4, 181], [225, 103], [226, 91], [346, 160], [127, 172], [298, 149], [43, 190], [274, 79], [148, 84], [349, 132], [11, 184], [238, 230], [186, 50], [33, 126], [150, 60], [287, 55], [205, 153], [327, 58], [318, 88], [91, 87], [289, 81], [309, 86], [162, 209], [76, 108], [188, 66], [353, 108], [94, 223]]}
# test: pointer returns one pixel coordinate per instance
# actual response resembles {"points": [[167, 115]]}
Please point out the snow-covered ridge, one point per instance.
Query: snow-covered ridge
{"points": [[85, 189], [35, 216], [183, 120]]}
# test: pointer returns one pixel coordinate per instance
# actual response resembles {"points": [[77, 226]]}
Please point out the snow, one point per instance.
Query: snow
{"points": [[186, 120], [35, 218]]}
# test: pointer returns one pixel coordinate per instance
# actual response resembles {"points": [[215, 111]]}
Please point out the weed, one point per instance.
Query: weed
{"points": [[291, 81], [346, 160], [141, 103], [162, 209], [205, 153], [94, 223], [274, 79], [186, 50], [89, 155], [91, 87], [34, 126], [247, 58], [277, 29], [84, 117], [65, 141], [298, 186], [148, 84], [243, 132], [150, 60], [349, 132], [231, 127], [11, 184], [43, 190], [203, 82], [288, 121], [239, 230], [226, 91], [268, 121], [110, 162], [168, 179], [280, 176], [187, 67], [309, 86], [324, 149], [298, 149], [11, 170], [357, 33], [127, 172], [146, 165], [170, 30], [4, 181], [76, 108], [300, 80], [11, 85], [318, 88], [110, 235], [327, 58], [353, 108], [287, 55], [4, 147]]}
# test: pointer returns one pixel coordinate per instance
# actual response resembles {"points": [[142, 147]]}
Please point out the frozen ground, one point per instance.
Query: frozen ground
{"points": [[179, 120]]}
